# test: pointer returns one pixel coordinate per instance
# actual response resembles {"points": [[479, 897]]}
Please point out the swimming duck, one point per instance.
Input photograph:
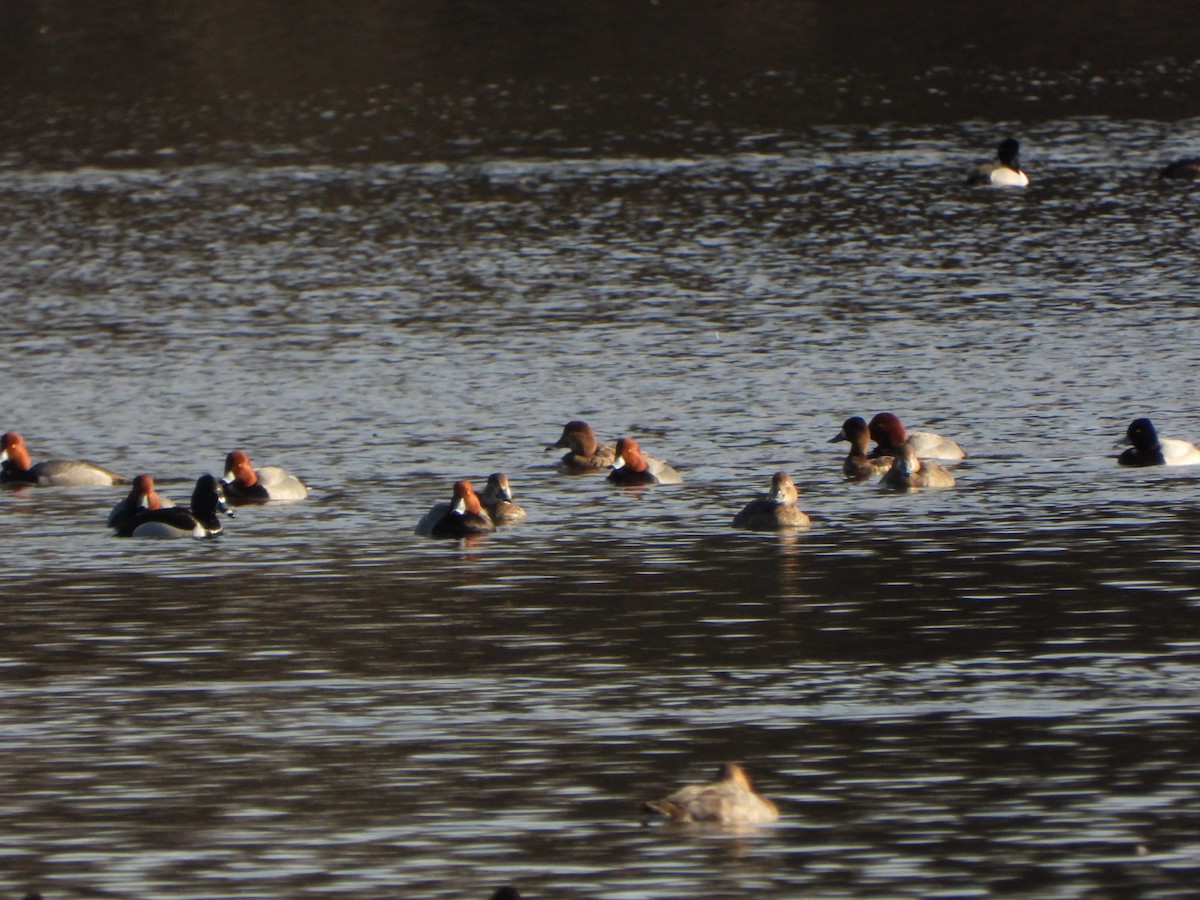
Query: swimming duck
{"points": [[141, 496], [910, 472], [774, 511], [1181, 168], [584, 453], [1004, 170], [464, 515], [630, 466], [15, 468], [858, 465], [1148, 449], [199, 519], [889, 433], [497, 499], [730, 800], [246, 485]]}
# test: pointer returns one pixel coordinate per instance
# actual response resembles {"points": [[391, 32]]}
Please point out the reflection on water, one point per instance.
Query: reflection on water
{"points": [[983, 690]]}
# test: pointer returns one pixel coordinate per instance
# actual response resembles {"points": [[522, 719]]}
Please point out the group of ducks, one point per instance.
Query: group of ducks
{"points": [[901, 460], [1005, 169], [143, 512]]}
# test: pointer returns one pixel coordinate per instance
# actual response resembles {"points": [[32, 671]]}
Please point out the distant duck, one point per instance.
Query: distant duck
{"points": [[199, 519], [858, 464], [1186, 169], [730, 800], [889, 433], [584, 453], [1148, 449], [774, 511], [15, 468], [246, 485], [631, 466], [909, 472], [497, 499], [463, 516], [141, 496], [1004, 170]]}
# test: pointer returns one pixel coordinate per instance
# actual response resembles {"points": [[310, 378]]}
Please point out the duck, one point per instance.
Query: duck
{"points": [[464, 515], [497, 499], [15, 468], [730, 800], [630, 466], [141, 496], [245, 484], [584, 453], [774, 511], [858, 465], [1148, 449], [1182, 169], [199, 519], [889, 433], [1004, 170], [908, 471]]}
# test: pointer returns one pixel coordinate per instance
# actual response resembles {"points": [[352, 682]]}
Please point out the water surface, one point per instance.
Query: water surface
{"points": [[982, 691]]}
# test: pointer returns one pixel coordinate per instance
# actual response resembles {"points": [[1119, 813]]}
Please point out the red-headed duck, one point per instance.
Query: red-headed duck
{"points": [[1004, 170], [199, 519], [1148, 449], [889, 433], [774, 511], [631, 466], [1187, 169], [908, 472], [245, 484], [497, 499], [584, 454], [858, 465], [141, 496], [15, 468], [730, 800], [464, 515]]}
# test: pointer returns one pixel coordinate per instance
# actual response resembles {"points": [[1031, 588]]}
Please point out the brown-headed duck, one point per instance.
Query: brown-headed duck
{"points": [[909, 471], [730, 800], [1148, 449], [858, 465], [141, 496], [889, 434], [245, 484], [774, 511], [584, 454], [631, 466], [497, 499], [463, 516], [15, 468]]}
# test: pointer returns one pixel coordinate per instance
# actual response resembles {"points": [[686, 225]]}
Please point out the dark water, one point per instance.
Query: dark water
{"points": [[392, 246]]}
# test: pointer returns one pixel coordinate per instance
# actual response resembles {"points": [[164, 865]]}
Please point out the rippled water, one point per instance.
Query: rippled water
{"points": [[983, 691]]}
